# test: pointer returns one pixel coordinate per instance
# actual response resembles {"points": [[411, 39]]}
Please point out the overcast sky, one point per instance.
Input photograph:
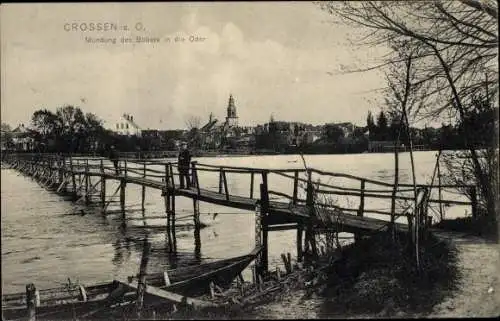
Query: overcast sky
{"points": [[275, 58]]}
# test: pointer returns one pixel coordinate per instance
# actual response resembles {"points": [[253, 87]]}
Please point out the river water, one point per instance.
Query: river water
{"points": [[47, 239]]}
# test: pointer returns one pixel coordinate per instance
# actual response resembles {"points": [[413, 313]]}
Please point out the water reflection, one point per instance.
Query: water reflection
{"points": [[94, 247], [129, 247], [197, 244], [122, 248]]}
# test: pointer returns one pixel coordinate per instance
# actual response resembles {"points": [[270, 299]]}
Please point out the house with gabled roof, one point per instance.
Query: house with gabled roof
{"points": [[126, 126]]}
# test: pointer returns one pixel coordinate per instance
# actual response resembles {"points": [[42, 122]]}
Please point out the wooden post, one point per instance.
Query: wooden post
{"points": [[473, 198], [394, 189], [212, 289], [103, 187], [295, 187], [141, 284], [168, 210], [220, 180], [73, 178], [166, 197], [441, 214], [251, 184], [310, 238], [62, 172], [172, 179], [289, 259], [241, 284], [264, 209], [196, 212], [123, 184], [258, 235], [31, 301], [143, 194], [196, 202], [195, 180], [167, 176], [174, 238], [197, 243], [286, 263], [226, 191], [49, 178], [361, 209], [299, 242], [87, 182], [79, 176]]}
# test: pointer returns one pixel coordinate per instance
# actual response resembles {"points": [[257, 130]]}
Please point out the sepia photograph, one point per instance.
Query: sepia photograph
{"points": [[249, 160]]}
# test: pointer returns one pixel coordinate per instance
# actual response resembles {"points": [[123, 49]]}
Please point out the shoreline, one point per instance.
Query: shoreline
{"points": [[460, 280], [475, 290], [173, 154]]}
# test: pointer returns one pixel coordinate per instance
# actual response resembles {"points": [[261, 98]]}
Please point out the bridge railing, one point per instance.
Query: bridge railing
{"points": [[291, 187], [368, 189]]}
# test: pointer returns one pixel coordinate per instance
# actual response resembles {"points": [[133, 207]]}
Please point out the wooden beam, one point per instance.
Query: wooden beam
{"points": [[103, 192], [283, 227], [31, 301], [361, 206], [299, 242], [264, 210], [87, 182], [142, 278], [220, 180], [251, 184], [295, 186], [226, 191], [143, 194], [168, 211], [174, 237], [122, 198], [171, 297], [196, 212]]}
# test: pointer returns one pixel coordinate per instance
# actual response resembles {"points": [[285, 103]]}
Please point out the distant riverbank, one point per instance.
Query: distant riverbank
{"points": [[214, 153]]}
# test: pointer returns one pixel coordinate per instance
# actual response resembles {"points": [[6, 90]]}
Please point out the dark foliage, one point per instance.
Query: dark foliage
{"points": [[379, 276]]}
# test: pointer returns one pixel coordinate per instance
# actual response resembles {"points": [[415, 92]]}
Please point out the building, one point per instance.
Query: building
{"points": [[231, 118], [21, 139], [215, 135], [288, 133], [127, 126]]}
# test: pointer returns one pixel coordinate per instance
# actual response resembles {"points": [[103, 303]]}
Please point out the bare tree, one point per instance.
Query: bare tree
{"points": [[193, 122], [455, 45], [402, 98]]}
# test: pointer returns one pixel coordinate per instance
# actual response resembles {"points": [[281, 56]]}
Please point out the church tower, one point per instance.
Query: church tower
{"points": [[231, 119]]}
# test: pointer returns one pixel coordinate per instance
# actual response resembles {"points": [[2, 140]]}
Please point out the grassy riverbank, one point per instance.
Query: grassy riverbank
{"points": [[374, 279], [377, 278]]}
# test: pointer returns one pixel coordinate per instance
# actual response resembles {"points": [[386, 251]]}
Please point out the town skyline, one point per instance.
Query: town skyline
{"points": [[258, 52]]}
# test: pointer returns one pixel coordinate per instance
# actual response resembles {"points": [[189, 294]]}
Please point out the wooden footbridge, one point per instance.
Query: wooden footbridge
{"points": [[309, 206]]}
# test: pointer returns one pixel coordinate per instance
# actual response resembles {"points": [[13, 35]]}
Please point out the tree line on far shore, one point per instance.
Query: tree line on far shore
{"points": [[70, 130], [480, 119]]}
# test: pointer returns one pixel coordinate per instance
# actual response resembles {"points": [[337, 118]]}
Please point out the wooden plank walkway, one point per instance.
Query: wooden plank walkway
{"points": [[316, 214], [292, 211], [280, 213]]}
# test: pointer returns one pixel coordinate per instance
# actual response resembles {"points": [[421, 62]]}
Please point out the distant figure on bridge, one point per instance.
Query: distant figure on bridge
{"points": [[184, 160], [113, 156]]}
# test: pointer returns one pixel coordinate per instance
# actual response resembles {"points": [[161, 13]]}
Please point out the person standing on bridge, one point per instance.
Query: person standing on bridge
{"points": [[184, 160], [113, 156]]}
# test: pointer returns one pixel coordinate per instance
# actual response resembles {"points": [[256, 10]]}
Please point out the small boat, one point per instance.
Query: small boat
{"points": [[76, 300], [195, 280]]}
